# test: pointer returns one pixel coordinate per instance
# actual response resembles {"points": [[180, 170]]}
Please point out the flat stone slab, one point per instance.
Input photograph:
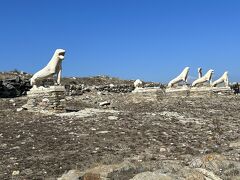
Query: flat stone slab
{"points": [[42, 89], [210, 90], [146, 90], [213, 89], [178, 91], [201, 89], [221, 89], [197, 91]]}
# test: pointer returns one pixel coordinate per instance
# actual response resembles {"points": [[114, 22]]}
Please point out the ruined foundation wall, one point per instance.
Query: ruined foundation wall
{"points": [[50, 99]]}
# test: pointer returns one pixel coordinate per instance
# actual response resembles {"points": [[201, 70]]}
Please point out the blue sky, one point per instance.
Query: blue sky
{"points": [[147, 39]]}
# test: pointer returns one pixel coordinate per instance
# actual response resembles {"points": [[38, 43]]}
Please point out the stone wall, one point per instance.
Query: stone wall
{"points": [[124, 88], [14, 87], [51, 99]]}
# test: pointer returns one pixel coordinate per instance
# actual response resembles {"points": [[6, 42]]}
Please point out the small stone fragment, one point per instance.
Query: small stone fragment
{"points": [[105, 103], [15, 173]]}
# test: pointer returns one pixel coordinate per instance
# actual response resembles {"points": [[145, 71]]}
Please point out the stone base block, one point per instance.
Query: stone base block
{"points": [[51, 99], [222, 90], [146, 90], [147, 94], [198, 91], [209, 91], [178, 91]]}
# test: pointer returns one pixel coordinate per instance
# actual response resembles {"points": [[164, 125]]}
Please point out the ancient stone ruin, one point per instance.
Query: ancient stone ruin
{"points": [[203, 85], [14, 87], [51, 99]]}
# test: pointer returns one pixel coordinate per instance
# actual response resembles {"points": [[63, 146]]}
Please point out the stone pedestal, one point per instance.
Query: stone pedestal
{"points": [[147, 94], [222, 90], [201, 91], [178, 91], [146, 90], [198, 91], [208, 91], [51, 99]]}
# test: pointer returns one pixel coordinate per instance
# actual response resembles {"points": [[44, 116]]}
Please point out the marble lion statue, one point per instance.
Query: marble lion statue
{"points": [[138, 83], [53, 67], [203, 79], [223, 78], [182, 77]]}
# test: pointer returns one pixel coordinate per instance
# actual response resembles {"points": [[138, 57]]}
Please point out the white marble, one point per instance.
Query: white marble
{"points": [[53, 67], [203, 79], [138, 83], [182, 77], [222, 79], [146, 90], [177, 89]]}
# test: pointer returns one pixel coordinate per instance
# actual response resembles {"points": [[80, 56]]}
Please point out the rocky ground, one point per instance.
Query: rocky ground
{"points": [[147, 136]]}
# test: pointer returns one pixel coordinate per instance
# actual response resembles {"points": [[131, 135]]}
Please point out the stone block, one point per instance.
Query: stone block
{"points": [[51, 99]]}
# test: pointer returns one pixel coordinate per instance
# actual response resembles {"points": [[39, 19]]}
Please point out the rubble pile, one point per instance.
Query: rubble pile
{"points": [[76, 90], [122, 88], [14, 87]]}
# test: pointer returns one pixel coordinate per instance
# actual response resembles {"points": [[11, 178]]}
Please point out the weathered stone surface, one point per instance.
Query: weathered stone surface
{"points": [[116, 172], [212, 162], [147, 90], [71, 175], [178, 91], [190, 174], [122, 88], [14, 87], [87, 112], [235, 144], [50, 99], [105, 103], [208, 174], [151, 176], [75, 89], [181, 78]]}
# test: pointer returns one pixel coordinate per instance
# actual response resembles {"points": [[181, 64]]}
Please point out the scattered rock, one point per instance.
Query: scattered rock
{"points": [[112, 117], [19, 109], [208, 174], [27, 171], [14, 87], [105, 103], [102, 132], [188, 173], [122, 88], [15, 173], [211, 162], [76, 89]]}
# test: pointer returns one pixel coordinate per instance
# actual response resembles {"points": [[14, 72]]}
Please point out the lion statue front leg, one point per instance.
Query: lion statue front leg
{"points": [[59, 76]]}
